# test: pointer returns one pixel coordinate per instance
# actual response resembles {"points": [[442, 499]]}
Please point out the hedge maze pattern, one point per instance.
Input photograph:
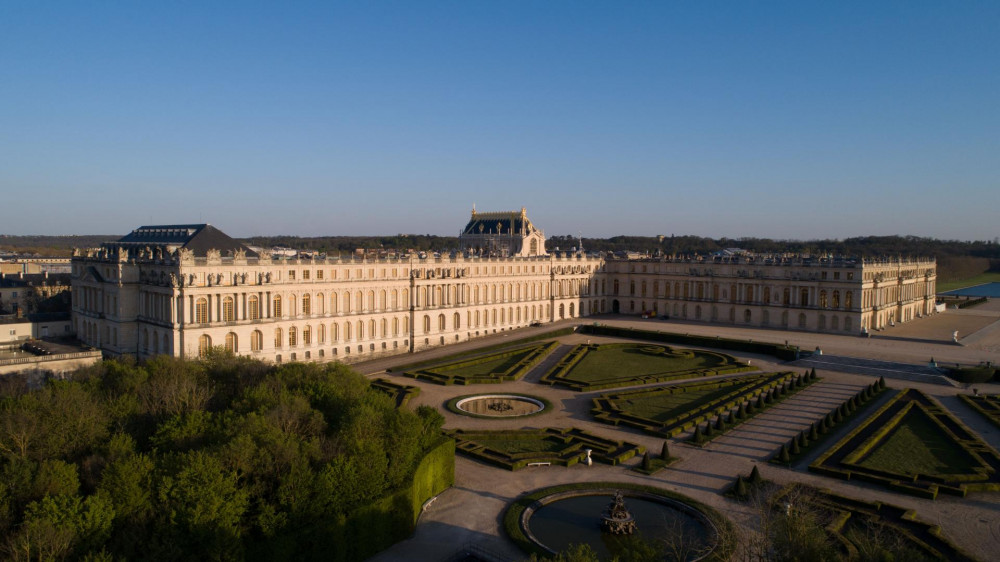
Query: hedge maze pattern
{"points": [[497, 367], [987, 405], [646, 364], [972, 464], [849, 514], [516, 449], [737, 397], [400, 393]]}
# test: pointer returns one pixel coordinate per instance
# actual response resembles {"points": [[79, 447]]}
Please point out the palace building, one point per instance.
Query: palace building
{"points": [[183, 289]]}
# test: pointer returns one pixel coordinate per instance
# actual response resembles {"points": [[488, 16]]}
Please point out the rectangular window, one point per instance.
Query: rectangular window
{"points": [[850, 275], [291, 275], [305, 275], [824, 275], [836, 275], [319, 274]]}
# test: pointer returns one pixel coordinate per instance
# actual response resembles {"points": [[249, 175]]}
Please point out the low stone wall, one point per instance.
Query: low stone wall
{"points": [[54, 363]]}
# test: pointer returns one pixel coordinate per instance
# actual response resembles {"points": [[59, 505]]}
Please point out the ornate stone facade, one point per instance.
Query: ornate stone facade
{"points": [[147, 300], [503, 234]]}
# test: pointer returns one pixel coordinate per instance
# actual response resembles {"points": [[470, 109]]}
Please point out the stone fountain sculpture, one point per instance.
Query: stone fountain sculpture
{"points": [[617, 520]]}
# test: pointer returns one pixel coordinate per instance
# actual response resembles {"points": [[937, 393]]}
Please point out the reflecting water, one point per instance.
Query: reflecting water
{"points": [[578, 520]]}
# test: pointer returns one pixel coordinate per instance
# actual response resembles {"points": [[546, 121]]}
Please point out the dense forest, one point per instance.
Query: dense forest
{"points": [[225, 458]]}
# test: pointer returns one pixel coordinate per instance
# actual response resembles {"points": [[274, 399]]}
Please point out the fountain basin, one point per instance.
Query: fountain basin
{"points": [[497, 405]]}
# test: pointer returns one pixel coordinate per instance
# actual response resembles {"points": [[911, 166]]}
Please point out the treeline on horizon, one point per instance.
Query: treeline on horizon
{"points": [[957, 259]]}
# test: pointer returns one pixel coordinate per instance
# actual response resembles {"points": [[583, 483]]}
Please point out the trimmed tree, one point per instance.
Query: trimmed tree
{"points": [[755, 477], [740, 489], [783, 455], [647, 464], [665, 451]]}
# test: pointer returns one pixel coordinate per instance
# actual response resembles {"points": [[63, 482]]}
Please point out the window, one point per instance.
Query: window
{"points": [[277, 306], [306, 304], [305, 275], [256, 340], [291, 275], [204, 345], [228, 313], [278, 340], [292, 337], [253, 308], [319, 274], [232, 343], [201, 311], [307, 335]]}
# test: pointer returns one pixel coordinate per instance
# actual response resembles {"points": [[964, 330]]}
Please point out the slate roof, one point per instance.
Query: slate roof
{"points": [[199, 238], [505, 222]]}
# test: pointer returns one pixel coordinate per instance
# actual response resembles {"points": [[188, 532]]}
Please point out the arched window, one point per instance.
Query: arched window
{"points": [[253, 307], [347, 302], [836, 300], [358, 302], [749, 294], [292, 310], [822, 299], [615, 287], [440, 322], [293, 337], [767, 295], [787, 296], [334, 332], [747, 316], [204, 345], [848, 300], [320, 304], [361, 330], [802, 320], [201, 311], [307, 335], [371, 300], [278, 340], [232, 343], [277, 306], [333, 303], [382, 303], [427, 324], [321, 333], [804, 297], [306, 304], [256, 340], [228, 312]]}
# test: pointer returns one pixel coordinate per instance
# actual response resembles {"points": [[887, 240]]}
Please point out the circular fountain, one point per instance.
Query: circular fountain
{"points": [[497, 405]]}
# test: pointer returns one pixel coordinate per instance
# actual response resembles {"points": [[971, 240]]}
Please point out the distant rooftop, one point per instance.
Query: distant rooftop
{"points": [[199, 238]]}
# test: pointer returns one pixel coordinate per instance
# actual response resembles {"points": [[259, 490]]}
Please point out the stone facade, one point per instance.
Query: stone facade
{"points": [[142, 300], [503, 234]]}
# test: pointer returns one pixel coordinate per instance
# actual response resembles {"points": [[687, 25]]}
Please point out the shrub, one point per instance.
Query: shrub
{"points": [[755, 477], [783, 455], [665, 451], [740, 490]]}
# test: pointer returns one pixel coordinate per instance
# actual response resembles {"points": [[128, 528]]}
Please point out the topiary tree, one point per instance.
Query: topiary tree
{"points": [[742, 412], [740, 489], [813, 433], [881, 382], [755, 477], [812, 374], [697, 437], [720, 424], [647, 464], [783, 455], [708, 429], [795, 446], [760, 401], [665, 451], [838, 415]]}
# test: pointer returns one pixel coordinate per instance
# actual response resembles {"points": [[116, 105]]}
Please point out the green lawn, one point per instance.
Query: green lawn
{"points": [[663, 406], [498, 365], [970, 282], [919, 446], [615, 361]]}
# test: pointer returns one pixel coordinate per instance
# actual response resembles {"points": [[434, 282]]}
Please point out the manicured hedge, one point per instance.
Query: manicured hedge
{"points": [[987, 405], [375, 527], [401, 393], [843, 459], [604, 408], [575, 442], [783, 352], [440, 373], [562, 372], [507, 344], [973, 375]]}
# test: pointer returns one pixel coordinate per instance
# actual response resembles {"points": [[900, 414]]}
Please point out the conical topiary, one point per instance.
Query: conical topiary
{"points": [[813, 433], [720, 424], [729, 418], [697, 437], [647, 464], [838, 416], [783, 455], [812, 374], [740, 489], [760, 402], [755, 477], [742, 412], [708, 429], [803, 440], [828, 421], [881, 382], [665, 451], [795, 446]]}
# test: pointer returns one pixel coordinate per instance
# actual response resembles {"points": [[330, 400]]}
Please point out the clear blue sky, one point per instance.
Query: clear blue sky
{"points": [[777, 119]]}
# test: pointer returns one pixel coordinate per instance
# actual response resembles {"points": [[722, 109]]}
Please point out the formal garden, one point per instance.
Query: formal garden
{"points": [[500, 366], [667, 411], [914, 446], [987, 405], [517, 449], [598, 366]]}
